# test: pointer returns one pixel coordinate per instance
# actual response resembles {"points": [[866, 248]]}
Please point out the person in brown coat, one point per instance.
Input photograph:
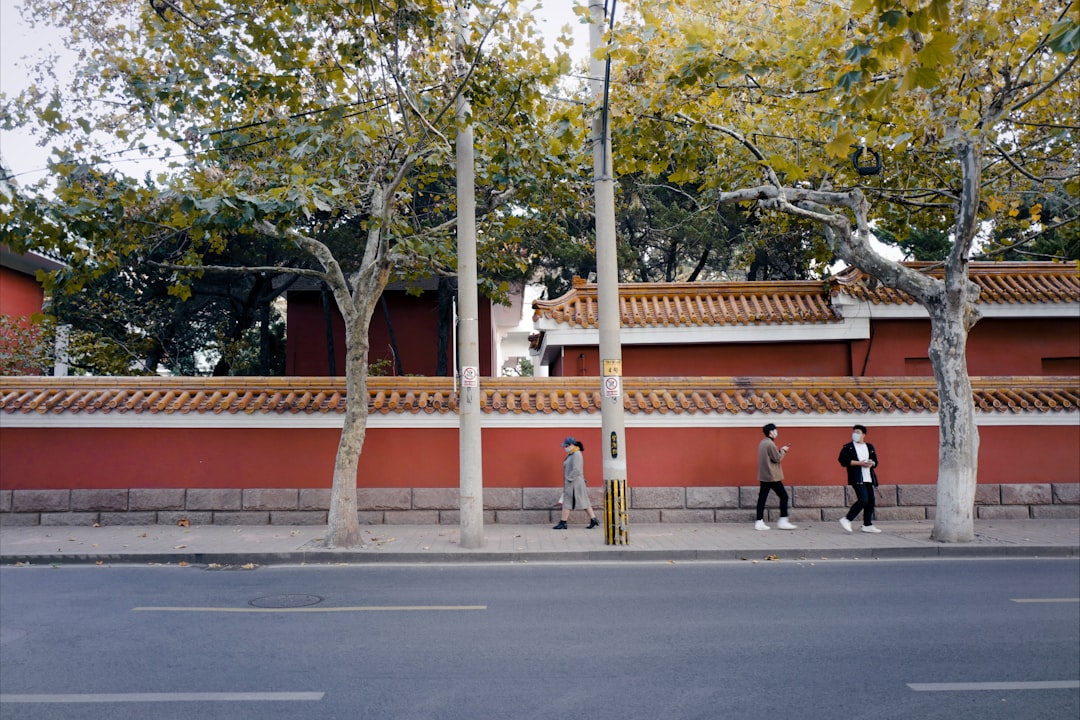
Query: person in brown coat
{"points": [[771, 478]]}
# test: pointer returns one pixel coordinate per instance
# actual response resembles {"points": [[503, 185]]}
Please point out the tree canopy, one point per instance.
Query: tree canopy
{"points": [[295, 114], [949, 120], [719, 94]]}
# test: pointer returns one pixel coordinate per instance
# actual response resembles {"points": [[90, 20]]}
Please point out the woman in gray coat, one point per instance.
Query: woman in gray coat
{"points": [[575, 494]]}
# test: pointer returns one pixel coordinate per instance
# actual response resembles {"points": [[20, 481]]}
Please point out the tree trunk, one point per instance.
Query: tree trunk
{"points": [[958, 435], [343, 525]]}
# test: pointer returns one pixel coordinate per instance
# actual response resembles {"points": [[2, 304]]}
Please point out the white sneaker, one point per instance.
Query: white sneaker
{"points": [[845, 523], [760, 525], [870, 529], [785, 524]]}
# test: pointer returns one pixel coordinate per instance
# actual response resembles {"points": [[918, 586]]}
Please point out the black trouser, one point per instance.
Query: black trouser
{"points": [[763, 494], [865, 503]]}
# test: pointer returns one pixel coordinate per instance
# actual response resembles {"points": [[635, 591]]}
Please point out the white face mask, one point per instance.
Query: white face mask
{"points": [[856, 437]]}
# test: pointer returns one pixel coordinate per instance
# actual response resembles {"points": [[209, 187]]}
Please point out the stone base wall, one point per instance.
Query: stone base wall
{"points": [[517, 506]]}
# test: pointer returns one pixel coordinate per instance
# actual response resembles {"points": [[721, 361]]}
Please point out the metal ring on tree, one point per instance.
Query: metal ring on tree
{"points": [[865, 169]]}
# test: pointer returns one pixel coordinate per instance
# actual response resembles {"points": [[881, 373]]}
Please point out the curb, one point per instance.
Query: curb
{"points": [[349, 557]]}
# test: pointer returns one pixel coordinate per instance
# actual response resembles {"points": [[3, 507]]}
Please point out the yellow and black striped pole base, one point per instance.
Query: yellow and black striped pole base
{"points": [[615, 518]]}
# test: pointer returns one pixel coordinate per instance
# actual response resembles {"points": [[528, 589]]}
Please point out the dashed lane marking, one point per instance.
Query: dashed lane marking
{"points": [[1046, 600], [164, 697], [966, 686], [356, 608]]}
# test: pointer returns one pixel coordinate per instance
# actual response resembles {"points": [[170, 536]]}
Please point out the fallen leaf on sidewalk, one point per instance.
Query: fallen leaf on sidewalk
{"points": [[249, 566], [183, 522], [100, 562], [772, 557], [179, 547], [182, 563]]}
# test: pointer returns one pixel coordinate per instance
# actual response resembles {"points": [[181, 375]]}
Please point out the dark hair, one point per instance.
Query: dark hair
{"points": [[768, 429], [860, 428], [580, 445]]}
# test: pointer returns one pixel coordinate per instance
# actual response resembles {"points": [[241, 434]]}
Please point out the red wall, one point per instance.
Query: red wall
{"points": [[781, 359], [20, 294], [898, 348], [513, 457], [1020, 347], [416, 326], [995, 347]]}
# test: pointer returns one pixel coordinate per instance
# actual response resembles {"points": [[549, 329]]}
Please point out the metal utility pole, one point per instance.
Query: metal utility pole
{"points": [[470, 455], [607, 286]]}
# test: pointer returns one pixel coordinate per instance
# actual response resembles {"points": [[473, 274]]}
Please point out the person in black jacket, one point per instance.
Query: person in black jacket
{"points": [[860, 460]]}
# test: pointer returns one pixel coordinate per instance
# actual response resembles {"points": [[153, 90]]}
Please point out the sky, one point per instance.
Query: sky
{"points": [[27, 161]]}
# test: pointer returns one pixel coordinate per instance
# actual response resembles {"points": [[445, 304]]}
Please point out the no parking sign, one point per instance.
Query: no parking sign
{"points": [[611, 387]]}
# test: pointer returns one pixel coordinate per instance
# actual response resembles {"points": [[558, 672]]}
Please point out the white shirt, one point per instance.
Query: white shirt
{"points": [[863, 454]]}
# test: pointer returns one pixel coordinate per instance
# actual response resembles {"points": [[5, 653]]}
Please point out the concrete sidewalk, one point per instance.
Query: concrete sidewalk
{"points": [[270, 544]]}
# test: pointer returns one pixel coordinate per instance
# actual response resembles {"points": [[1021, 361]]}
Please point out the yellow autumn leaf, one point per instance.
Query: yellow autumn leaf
{"points": [[840, 146]]}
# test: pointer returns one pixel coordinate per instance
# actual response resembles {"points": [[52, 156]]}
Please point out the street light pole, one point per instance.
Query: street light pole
{"points": [[470, 455], [607, 282]]}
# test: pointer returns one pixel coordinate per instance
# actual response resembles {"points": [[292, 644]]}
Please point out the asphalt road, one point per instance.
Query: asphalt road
{"points": [[986, 639]]}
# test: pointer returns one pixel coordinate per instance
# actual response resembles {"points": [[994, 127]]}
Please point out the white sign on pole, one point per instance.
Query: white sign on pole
{"points": [[611, 387], [470, 377]]}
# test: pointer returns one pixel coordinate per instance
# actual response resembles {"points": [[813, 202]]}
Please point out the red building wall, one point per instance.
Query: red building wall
{"points": [[513, 457], [415, 322], [896, 348], [781, 359], [996, 346], [20, 294]]}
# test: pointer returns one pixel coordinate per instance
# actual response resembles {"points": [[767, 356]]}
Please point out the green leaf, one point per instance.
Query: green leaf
{"points": [[1064, 36], [893, 47], [892, 18], [849, 80], [918, 77], [939, 11], [939, 51], [857, 51]]}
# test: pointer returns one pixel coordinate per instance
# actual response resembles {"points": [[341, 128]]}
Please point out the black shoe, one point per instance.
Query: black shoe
{"points": [[593, 523], [560, 526]]}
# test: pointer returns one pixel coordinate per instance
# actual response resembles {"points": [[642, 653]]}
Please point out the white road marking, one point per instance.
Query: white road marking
{"points": [[1046, 600], [164, 697], [356, 608], [963, 686]]}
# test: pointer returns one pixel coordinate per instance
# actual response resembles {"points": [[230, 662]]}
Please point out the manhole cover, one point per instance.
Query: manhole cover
{"points": [[285, 601]]}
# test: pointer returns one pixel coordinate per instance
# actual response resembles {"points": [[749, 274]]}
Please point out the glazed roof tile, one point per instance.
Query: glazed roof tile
{"points": [[676, 396], [809, 301], [729, 303], [999, 282]]}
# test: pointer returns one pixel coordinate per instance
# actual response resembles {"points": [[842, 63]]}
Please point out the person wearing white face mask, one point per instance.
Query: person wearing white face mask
{"points": [[860, 459]]}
